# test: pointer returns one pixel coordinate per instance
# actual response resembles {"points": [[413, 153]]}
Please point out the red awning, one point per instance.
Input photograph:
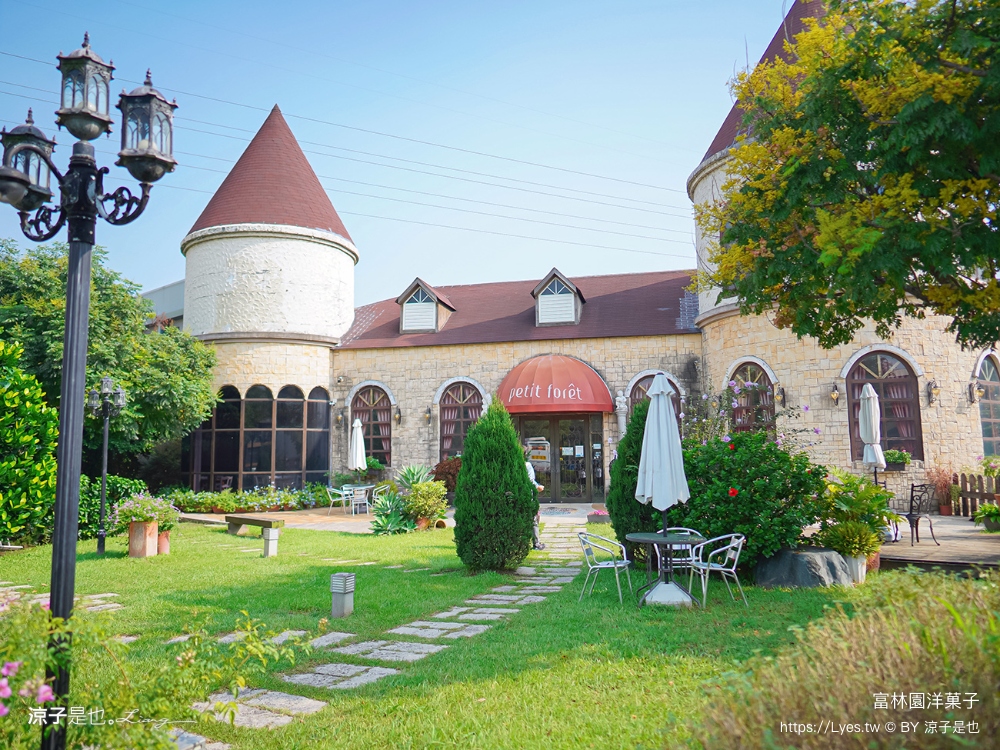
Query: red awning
{"points": [[554, 383]]}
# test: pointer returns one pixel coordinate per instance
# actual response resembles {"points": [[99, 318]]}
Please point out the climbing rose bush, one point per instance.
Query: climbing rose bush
{"points": [[749, 485]]}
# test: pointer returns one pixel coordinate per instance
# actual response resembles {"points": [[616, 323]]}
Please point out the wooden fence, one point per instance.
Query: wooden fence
{"points": [[975, 490]]}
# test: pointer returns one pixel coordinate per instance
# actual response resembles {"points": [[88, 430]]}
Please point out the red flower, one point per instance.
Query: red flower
{"points": [[732, 446], [733, 492]]}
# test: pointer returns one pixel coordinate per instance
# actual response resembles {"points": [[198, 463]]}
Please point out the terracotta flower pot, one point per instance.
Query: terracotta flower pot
{"points": [[218, 510], [423, 523], [163, 543], [874, 562], [945, 509], [440, 524], [142, 539]]}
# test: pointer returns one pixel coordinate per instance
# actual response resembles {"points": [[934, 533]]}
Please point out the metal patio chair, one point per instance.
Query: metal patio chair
{"points": [[920, 500], [592, 542], [341, 495], [683, 558], [359, 497], [719, 555]]}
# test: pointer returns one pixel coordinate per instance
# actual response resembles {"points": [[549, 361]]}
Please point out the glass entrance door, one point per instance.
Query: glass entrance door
{"points": [[567, 456]]}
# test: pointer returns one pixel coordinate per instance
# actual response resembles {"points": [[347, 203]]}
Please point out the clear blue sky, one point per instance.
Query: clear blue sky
{"points": [[627, 90]]}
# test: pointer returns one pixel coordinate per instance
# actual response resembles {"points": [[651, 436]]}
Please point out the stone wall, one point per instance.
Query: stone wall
{"points": [[268, 279], [275, 365], [413, 375], [952, 435]]}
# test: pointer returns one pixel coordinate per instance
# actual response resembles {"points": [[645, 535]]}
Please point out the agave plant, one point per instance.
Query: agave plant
{"points": [[411, 475], [390, 516]]}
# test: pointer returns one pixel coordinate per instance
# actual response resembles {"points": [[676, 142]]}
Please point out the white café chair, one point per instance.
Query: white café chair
{"points": [[683, 558], [359, 497], [719, 555], [591, 542], [342, 495]]}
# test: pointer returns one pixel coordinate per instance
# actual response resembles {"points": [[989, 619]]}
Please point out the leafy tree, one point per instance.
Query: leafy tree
{"points": [[167, 375], [29, 430], [868, 186], [495, 501], [628, 515]]}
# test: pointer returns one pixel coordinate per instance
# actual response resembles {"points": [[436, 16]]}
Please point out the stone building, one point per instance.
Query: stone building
{"points": [[270, 283]]}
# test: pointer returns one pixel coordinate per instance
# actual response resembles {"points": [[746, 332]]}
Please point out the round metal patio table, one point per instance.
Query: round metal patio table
{"points": [[667, 544]]}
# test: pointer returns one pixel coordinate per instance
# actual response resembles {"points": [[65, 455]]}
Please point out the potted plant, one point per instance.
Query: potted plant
{"points": [[896, 460], [941, 479], [139, 515], [166, 520], [988, 514], [956, 494], [990, 466], [856, 541], [598, 516], [426, 503]]}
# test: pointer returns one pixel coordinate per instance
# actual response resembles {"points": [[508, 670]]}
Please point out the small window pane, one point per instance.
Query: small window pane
{"points": [[319, 415], [290, 414], [256, 451], [257, 415], [290, 391], [227, 451], [317, 451], [227, 415], [288, 481], [461, 406], [256, 481], [419, 296], [320, 477], [288, 450]]}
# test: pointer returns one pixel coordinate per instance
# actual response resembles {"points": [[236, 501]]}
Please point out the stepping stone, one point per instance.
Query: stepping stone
{"points": [[252, 717], [531, 599], [374, 673], [249, 550], [278, 701], [239, 635], [504, 588], [487, 613], [542, 589], [179, 639], [563, 579], [416, 570], [525, 571], [499, 598], [98, 596], [340, 676], [467, 632], [329, 639], [451, 613], [392, 567], [359, 648], [341, 562], [452, 630], [13, 588], [126, 638], [375, 563], [391, 650], [109, 607], [339, 670], [279, 639], [189, 741], [312, 680]]}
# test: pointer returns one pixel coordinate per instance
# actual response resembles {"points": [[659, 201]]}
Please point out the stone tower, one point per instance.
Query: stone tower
{"points": [[269, 274]]}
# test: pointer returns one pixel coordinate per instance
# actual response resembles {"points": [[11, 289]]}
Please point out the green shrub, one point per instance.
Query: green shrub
{"points": [[28, 433], [118, 489], [411, 475], [749, 485], [896, 457], [447, 471], [986, 512], [628, 515], [426, 500], [495, 501], [340, 479], [850, 538], [390, 516], [914, 633]]}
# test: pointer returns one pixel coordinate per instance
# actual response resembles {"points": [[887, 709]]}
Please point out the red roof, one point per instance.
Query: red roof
{"points": [[272, 183], [634, 304], [793, 24], [554, 383]]}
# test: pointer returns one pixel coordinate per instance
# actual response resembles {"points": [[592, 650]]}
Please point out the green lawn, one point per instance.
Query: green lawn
{"points": [[557, 675]]}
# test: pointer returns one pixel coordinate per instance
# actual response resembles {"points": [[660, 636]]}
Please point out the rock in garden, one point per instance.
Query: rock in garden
{"points": [[811, 567]]}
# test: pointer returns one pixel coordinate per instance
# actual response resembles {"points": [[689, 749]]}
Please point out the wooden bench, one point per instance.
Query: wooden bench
{"points": [[269, 530]]}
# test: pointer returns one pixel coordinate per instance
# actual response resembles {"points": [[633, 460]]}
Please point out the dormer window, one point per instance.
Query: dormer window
{"points": [[557, 301], [422, 309]]}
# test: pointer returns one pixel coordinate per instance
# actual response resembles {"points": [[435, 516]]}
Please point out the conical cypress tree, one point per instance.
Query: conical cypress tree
{"points": [[628, 515], [495, 502]]}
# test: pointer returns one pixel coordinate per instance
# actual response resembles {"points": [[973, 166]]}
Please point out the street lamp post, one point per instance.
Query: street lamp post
{"points": [[147, 128], [105, 403]]}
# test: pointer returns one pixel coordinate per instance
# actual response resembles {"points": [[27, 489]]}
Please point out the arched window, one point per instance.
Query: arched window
{"points": [[989, 407], [898, 399], [461, 406], [258, 437], [318, 436], [755, 400], [372, 406], [288, 438], [639, 393]]}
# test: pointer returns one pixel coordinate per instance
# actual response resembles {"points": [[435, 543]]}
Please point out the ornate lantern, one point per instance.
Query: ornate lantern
{"points": [[29, 163], [147, 133], [84, 111]]}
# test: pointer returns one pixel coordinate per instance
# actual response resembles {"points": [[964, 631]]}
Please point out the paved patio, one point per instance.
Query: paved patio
{"points": [[962, 543]]}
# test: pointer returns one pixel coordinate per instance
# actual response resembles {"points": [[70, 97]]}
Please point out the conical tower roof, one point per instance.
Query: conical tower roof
{"points": [[272, 183]]}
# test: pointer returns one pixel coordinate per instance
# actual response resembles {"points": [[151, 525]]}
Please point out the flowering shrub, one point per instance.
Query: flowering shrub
{"points": [[755, 488], [265, 498], [142, 509], [989, 465]]}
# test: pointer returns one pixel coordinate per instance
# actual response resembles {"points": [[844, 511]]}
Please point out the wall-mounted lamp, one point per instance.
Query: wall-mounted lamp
{"points": [[340, 417], [779, 395], [835, 395], [976, 392], [427, 415], [399, 415], [333, 402], [340, 378], [933, 391]]}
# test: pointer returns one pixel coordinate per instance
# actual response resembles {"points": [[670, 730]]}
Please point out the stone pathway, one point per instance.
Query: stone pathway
{"points": [[270, 709], [560, 540]]}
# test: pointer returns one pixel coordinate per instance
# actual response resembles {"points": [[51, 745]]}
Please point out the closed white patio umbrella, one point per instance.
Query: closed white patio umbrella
{"points": [[870, 428], [662, 481], [357, 461]]}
